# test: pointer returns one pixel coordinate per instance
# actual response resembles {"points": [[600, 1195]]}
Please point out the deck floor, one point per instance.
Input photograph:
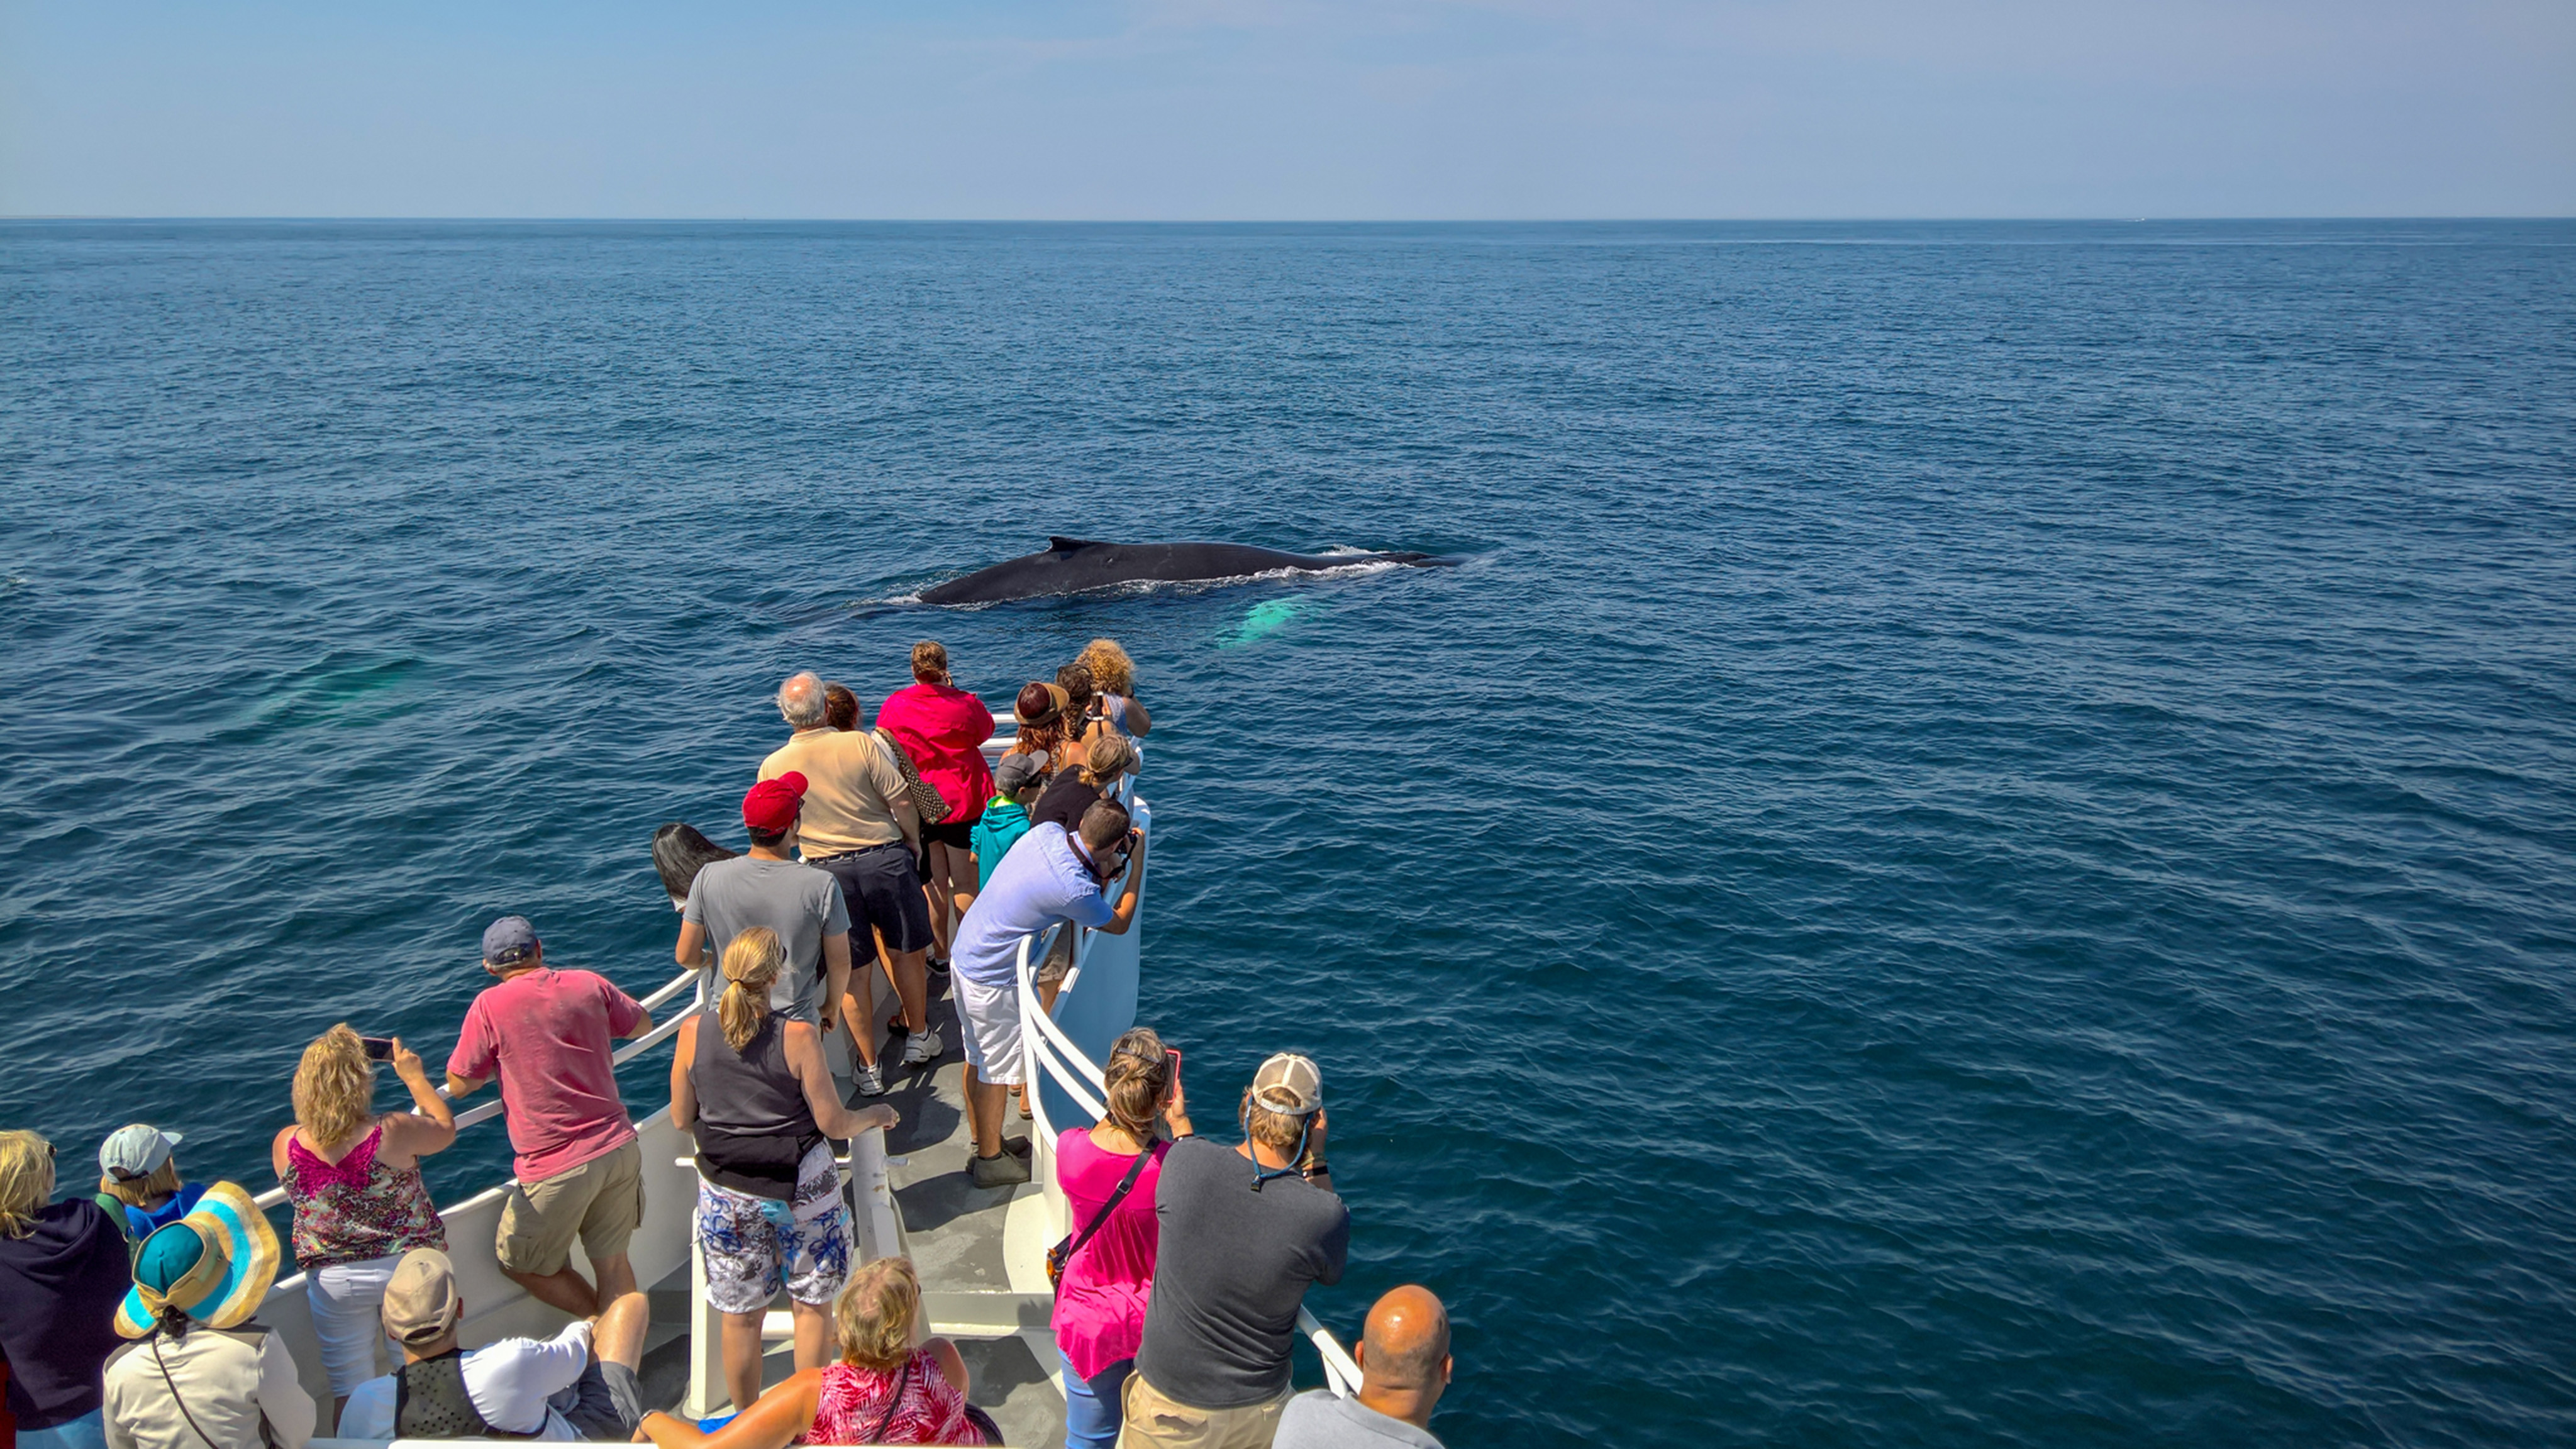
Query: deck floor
{"points": [[955, 1233]]}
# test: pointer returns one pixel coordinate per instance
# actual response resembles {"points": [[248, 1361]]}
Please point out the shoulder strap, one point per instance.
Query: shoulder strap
{"points": [[894, 1401], [1134, 1169], [174, 1393]]}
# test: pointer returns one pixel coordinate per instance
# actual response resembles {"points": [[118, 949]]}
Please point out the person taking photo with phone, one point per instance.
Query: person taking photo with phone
{"points": [[360, 1204], [1108, 1172]]}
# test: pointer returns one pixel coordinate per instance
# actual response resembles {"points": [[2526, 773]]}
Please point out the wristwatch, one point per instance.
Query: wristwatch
{"points": [[1317, 1168]]}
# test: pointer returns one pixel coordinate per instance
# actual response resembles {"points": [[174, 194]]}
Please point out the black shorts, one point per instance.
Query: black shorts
{"points": [[882, 890], [608, 1403], [953, 833]]}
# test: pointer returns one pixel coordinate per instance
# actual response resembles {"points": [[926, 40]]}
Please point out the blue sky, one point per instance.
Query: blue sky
{"points": [[1288, 109]]}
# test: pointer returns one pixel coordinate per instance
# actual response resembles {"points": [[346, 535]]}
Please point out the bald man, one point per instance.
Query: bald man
{"points": [[1404, 1366]]}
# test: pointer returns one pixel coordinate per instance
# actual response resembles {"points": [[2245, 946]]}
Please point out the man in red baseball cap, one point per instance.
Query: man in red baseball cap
{"points": [[770, 887]]}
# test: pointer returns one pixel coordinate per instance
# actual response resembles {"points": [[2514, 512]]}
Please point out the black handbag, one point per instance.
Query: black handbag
{"points": [[1062, 1253]]}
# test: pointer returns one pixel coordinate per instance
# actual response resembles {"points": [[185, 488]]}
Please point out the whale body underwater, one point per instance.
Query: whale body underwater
{"points": [[1074, 565]]}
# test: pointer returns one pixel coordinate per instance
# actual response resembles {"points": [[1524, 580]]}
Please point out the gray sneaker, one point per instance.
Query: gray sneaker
{"points": [[1000, 1171], [922, 1046], [869, 1081]]}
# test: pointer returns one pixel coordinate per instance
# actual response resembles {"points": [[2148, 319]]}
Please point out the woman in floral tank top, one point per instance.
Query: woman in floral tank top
{"points": [[360, 1204], [890, 1387]]}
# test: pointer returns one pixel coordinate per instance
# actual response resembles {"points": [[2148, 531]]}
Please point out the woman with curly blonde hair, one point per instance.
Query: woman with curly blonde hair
{"points": [[1114, 675], [360, 1204], [891, 1386]]}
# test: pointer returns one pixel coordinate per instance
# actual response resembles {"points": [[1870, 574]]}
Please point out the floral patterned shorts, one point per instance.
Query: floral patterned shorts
{"points": [[754, 1245]]}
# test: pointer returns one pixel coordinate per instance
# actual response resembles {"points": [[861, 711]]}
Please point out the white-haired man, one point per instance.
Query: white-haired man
{"points": [[859, 825]]}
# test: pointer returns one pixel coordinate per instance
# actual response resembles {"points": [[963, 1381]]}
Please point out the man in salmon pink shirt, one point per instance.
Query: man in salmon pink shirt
{"points": [[579, 1171]]}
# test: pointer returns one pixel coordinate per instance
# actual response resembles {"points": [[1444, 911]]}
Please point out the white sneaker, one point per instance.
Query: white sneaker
{"points": [[869, 1081], [921, 1046]]}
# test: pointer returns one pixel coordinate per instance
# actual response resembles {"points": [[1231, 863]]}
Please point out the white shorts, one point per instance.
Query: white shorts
{"points": [[989, 1018], [347, 1301]]}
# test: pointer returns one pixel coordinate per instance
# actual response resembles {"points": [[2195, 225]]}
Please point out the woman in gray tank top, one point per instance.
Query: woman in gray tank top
{"points": [[753, 1089]]}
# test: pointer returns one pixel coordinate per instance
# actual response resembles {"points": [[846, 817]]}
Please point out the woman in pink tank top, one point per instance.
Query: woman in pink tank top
{"points": [[1100, 1304], [360, 1204]]}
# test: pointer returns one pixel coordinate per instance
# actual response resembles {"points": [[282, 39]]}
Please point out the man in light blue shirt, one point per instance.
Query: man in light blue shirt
{"points": [[1049, 876], [1404, 1368]]}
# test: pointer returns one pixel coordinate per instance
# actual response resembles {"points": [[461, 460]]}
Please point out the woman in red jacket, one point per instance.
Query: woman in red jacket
{"points": [[943, 728]]}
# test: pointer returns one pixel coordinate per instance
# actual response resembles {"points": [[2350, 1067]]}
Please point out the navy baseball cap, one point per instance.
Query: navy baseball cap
{"points": [[508, 941]]}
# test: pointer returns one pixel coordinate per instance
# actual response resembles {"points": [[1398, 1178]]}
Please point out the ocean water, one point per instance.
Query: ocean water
{"points": [[1982, 853]]}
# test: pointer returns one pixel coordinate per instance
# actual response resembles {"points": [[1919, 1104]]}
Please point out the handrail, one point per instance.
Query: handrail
{"points": [[276, 1196], [1045, 1047]]}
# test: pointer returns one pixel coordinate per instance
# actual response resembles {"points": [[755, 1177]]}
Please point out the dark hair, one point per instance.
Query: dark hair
{"points": [[765, 839], [1076, 681], [840, 707], [1104, 824]]}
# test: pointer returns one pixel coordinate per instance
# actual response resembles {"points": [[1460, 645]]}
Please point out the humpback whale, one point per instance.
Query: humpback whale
{"points": [[679, 853], [1071, 565]]}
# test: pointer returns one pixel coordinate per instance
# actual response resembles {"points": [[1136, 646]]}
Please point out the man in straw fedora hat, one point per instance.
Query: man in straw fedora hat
{"points": [[200, 1374]]}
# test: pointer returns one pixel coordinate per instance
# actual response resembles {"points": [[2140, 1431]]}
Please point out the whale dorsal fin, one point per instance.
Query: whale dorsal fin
{"points": [[1068, 545]]}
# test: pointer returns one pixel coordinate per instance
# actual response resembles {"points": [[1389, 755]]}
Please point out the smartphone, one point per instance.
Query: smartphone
{"points": [[1175, 1054], [379, 1048]]}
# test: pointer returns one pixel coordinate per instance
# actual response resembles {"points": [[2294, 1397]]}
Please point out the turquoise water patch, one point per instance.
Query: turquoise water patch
{"points": [[1263, 620]]}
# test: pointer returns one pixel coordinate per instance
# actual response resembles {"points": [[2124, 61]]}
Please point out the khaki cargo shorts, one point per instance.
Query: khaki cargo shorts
{"points": [[600, 1202], [1155, 1422]]}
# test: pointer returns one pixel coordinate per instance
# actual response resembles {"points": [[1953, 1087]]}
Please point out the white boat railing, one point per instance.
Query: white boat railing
{"points": [[1044, 1048], [661, 1032]]}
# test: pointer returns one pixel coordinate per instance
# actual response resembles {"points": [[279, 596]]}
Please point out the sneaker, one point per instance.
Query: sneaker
{"points": [[896, 1026], [999, 1171], [922, 1046], [869, 1081], [1015, 1147]]}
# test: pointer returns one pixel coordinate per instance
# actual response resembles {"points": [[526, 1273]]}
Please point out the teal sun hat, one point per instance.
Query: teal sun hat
{"points": [[215, 1265]]}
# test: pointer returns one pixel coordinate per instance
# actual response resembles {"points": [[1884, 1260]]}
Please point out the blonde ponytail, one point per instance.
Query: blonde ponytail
{"points": [[752, 961]]}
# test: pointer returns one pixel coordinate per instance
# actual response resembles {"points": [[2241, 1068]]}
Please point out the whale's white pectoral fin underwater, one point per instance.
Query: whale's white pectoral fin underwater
{"points": [[1073, 565]]}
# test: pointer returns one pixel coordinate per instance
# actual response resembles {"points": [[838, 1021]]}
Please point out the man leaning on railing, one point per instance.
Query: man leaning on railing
{"points": [[579, 1171], [1048, 878]]}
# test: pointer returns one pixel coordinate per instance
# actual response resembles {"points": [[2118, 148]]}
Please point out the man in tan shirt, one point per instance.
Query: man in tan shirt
{"points": [[859, 825]]}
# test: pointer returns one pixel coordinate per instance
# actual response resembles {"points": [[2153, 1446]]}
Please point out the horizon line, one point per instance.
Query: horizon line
{"points": [[1853, 220]]}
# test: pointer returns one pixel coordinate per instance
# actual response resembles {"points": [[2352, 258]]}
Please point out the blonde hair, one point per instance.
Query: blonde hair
{"points": [[139, 1191], [1110, 667], [1271, 1127], [335, 1087], [877, 1313], [1137, 1081], [929, 660], [1110, 757], [751, 961], [26, 1181]]}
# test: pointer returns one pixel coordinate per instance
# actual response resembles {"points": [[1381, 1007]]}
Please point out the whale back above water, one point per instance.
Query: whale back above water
{"points": [[1074, 565]]}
